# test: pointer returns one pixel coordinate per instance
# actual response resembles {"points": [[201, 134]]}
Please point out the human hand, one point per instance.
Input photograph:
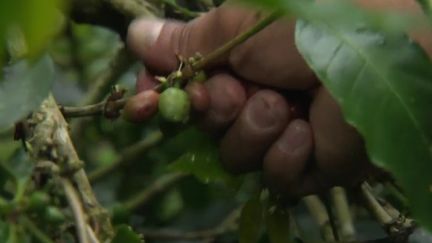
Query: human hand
{"points": [[272, 111]]}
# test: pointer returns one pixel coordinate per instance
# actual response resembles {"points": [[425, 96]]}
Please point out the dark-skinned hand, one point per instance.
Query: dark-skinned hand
{"points": [[269, 108]]}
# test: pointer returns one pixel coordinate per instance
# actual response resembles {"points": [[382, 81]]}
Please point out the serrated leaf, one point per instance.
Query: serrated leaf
{"points": [[278, 225], [124, 233], [383, 83], [23, 88], [251, 221]]}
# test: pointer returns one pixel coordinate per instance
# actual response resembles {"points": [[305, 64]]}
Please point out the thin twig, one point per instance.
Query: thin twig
{"points": [[229, 224], [34, 230], [117, 66], [186, 13], [343, 214], [159, 186], [90, 110], [128, 155], [75, 205], [321, 216]]}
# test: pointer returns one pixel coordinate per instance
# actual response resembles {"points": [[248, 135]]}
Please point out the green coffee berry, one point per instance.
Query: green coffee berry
{"points": [[174, 105], [38, 201], [54, 215]]}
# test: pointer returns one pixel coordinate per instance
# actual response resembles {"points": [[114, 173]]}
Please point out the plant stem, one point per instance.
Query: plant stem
{"points": [[90, 110], [186, 13], [321, 216], [128, 155], [34, 230], [117, 66], [75, 205], [227, 47], [156, 188], [343, 214]]}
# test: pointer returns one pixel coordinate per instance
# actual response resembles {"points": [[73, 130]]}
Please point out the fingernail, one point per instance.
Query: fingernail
{"points": [[297, 136], [262, 114], [143, 33], [268, 110]]}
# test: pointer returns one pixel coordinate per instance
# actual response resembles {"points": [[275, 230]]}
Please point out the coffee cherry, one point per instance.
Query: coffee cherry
{"points": [[38, 201], [174, 105], [53, 215], [141, 107]]}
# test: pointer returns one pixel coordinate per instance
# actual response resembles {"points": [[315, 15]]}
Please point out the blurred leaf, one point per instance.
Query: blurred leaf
{"points": [[203, 163], [200, 157], [251, 221], [24, 87], [7, 148], [384, 84], [38, 20], [125, 234], [343, 13], [278, 225]]}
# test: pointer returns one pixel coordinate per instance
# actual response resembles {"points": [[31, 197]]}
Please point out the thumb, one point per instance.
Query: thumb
{"points": [[159, 42]]}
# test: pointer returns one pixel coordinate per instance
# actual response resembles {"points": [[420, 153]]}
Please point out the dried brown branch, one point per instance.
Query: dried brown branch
{"points": [[49, 140]]}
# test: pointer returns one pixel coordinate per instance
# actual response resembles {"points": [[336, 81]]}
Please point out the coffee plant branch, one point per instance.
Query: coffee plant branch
{"points": [[186, 73], [48, 140]]}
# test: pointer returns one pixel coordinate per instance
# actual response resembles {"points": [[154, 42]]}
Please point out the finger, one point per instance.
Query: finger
{"points": [[339, 149], [158, 42], [286, 161], [145, 81], [261, 121], [199, 96], [227, 98]]}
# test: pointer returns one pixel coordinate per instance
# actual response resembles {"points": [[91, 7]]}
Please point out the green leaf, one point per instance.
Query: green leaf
{"points": [[251, 221], [383, 83], [200, 158], [37, 20], [24, 87], [125, 234], [278, 225], [342, 13]]}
